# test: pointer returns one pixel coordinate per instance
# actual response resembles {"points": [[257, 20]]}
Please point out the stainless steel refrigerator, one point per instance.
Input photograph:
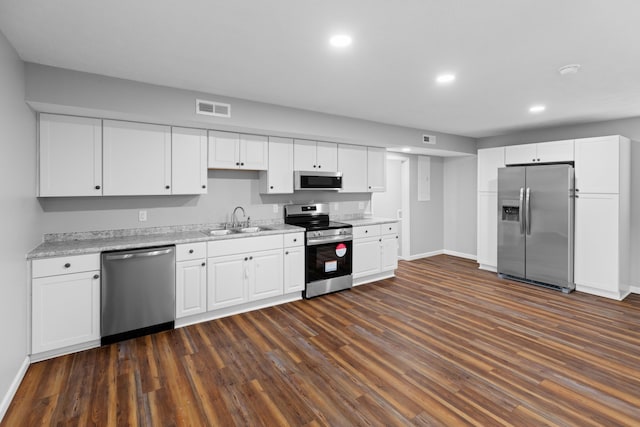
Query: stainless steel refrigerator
{"points": [[535, 224]]}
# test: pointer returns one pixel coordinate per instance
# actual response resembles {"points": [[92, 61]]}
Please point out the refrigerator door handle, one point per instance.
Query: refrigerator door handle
{"points": [[521, 210], [527, 202]]}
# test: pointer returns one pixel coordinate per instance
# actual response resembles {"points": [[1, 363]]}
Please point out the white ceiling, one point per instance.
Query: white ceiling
{"points": [[505, 54]]}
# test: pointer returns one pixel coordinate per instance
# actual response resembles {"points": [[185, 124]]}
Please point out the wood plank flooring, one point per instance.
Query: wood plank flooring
{"points": [[442, 344]]}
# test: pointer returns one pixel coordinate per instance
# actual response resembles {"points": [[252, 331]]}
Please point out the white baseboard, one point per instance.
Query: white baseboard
{"points": [[634, 289], [619, 295], [460, 255], [424, 255], [13, 388]]}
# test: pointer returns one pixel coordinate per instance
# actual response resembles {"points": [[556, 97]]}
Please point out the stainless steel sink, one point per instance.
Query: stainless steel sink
{"points": [[227, 231], [252, 229], [220, 232]]}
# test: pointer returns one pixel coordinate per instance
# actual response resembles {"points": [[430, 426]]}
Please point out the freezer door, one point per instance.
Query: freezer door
{"points": [[549, 228], [511, 221]]}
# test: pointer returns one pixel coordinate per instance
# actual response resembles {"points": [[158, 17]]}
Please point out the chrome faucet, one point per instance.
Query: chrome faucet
{"points": [[234, 219]]}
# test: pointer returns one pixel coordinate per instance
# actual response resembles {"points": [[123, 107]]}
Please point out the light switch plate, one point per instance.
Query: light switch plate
{"points": [[142, 216], [361, 205], [275, 208]]}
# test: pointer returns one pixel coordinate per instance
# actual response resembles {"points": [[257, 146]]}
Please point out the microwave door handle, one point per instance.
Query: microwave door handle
{"points": [[521, 210], [528, 210]]}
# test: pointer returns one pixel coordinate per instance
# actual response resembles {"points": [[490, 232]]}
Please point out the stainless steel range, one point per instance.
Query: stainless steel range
{"points": [[328, 248]]}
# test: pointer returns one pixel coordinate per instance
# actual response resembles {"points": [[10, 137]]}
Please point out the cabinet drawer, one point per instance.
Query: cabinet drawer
{"points": [[293, 239], [391, 228], [191, 251], [366, 231], [65, 265], [242, 245]]}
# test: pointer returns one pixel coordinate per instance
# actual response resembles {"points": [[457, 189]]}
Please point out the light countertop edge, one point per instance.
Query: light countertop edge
{"points": [[369, 221]]}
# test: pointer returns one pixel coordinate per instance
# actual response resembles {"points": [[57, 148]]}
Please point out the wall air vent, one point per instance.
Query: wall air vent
{"points": [[210, 108], [429, 139]]}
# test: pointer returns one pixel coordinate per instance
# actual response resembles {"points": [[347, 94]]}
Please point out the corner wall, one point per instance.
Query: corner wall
{"points": [[20, 216]]}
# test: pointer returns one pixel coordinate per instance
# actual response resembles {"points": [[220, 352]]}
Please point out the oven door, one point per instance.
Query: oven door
{"points": [[328, 258]]}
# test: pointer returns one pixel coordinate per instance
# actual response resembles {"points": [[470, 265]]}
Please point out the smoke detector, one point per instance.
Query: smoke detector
{"points": [[569, 69]]}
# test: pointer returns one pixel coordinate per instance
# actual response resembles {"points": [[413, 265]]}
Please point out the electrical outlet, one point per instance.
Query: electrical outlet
{"points": [[361, 205], [142, 216]]}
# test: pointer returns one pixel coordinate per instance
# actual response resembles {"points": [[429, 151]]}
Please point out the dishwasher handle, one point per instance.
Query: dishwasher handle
{"points": [[138, 254]]}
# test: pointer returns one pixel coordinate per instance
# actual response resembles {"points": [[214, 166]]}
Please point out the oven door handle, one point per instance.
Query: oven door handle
{"points": [[332, 239]]}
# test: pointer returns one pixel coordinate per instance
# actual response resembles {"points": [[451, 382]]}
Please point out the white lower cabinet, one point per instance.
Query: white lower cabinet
{"points": [[227, 281], [191, 279], [487, 245], [265, 274], [65, 302], [294, 263], [375, 251]]}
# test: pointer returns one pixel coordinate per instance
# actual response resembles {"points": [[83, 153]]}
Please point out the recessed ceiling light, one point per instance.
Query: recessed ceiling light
{"points": [[569, 69], [445, 78], [340, 40], [406, 149], [537, 109]]}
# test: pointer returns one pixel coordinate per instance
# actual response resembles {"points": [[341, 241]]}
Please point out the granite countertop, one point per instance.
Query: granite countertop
{"points": [[369, 221], [96, 242]]}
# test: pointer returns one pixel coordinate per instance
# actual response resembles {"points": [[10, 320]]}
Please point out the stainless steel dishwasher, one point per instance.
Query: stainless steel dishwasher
{"points": [[138, 292]]}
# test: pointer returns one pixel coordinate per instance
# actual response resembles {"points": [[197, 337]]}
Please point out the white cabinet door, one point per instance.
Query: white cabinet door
{"points": [[327, 156], [294, 266], [597, 165], [376, 169], [352, 162], [70, 156], [227, 278], [596, 242], [224, 150], [555, 151], [136, 158], [520, 154], [65, 310], [188, 161], [278, 179], [191, 287], [254, 152], [489, 160], [366, 257], [389, 254], [304, 155], [265, 274], [487, 250]]}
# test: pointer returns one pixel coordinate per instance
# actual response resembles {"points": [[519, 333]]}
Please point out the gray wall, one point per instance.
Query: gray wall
{"points": [[626, 127], [19, 214], [460, 204], [427, 230]]}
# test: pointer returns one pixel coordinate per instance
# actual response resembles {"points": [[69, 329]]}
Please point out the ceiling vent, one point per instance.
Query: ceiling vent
{"points": [[210, 108], [429, 139]]}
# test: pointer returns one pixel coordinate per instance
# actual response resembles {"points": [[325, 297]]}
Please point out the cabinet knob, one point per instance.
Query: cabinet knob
{"points": [[167, 187], [204, 186], [314, 166], [577, 196], [295, 240], [379, 240], [366, 231], [538, 159], [237, 163], [242, 164], [319, 166], [286, 253], [96, 276], [271, 187], [204, 263], [369, 187], [396, 237], [190, 251], [67, 265], [246, 259], [97, 187], [577, 189], [250, 257]]}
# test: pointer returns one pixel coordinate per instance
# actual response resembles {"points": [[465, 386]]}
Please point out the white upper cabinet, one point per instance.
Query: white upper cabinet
{"points": [[229, 150], [543, 152], [376, 169], [70, 156], [188, 161], [136, 158], [278, 178], [489, 160], [598, 165], [312, 155], [352, 162]]}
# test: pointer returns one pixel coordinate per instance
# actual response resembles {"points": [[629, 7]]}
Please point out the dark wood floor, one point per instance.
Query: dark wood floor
{"points": [[441, 344]]}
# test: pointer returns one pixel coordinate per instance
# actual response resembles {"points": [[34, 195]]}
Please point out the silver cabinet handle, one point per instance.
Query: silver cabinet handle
{"points": [[528, 209]]}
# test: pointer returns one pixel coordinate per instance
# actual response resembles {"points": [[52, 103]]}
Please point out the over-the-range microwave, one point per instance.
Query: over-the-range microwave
{"points": [[315, 180]]}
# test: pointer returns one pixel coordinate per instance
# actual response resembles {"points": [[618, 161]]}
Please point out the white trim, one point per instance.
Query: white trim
{"points": [[634, 289], [460, 255], [13, 388], [374, 277], [616, 295], [424, 255], [488, 268], [38, 357]]}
